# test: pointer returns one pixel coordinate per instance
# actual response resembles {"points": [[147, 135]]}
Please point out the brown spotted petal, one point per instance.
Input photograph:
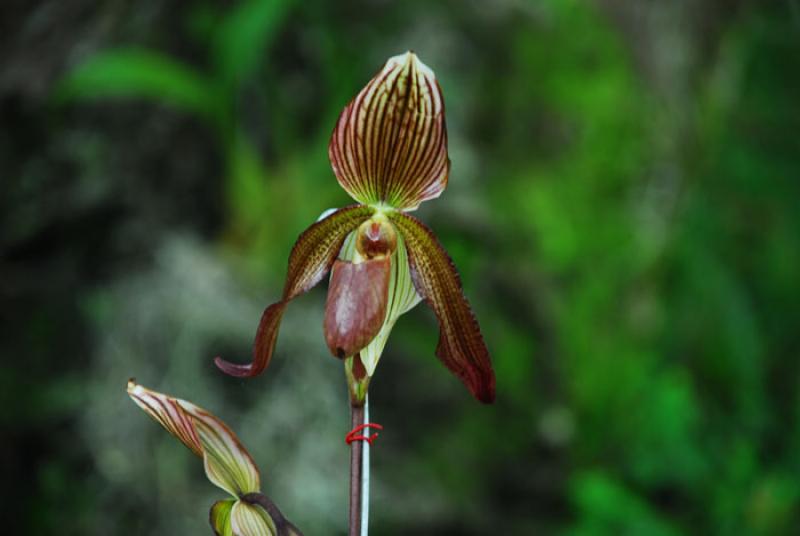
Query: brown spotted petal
{"points": [[310, 260], [356, 306], [461, 347], [390, 143]]}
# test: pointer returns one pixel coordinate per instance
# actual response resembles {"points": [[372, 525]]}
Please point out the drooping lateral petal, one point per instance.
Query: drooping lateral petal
{"points": [[251, 520], [402, 297], [309, 262], [461, 347], [390, 142], [220, 517], [227, 463]]}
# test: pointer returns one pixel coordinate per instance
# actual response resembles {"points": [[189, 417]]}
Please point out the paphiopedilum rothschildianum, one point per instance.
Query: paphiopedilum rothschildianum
{"points": [[389, 152], [228, 465]]}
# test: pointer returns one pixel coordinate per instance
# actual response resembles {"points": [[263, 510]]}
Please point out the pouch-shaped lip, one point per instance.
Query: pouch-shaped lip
{"points": [[356, 306]]}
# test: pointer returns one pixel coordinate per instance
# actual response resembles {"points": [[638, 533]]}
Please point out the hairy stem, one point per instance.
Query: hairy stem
{"points": [[356, 472], [366, 446]]}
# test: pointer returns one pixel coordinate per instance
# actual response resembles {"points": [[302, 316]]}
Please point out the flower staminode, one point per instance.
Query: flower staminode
{"points": [[388, 151]]}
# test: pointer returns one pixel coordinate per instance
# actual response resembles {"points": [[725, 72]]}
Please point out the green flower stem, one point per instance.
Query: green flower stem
{"points": [[357, 380]]}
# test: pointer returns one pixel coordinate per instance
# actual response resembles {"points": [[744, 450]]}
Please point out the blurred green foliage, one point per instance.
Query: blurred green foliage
{"points": [[623, 209], [236, 43]]}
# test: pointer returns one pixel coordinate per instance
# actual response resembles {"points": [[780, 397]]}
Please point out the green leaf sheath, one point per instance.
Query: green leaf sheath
{"points": [[220, 517], [283, 527], [251, 520]]}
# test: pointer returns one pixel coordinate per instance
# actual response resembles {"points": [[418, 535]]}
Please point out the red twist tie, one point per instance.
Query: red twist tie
{"points": [[352, 434]]}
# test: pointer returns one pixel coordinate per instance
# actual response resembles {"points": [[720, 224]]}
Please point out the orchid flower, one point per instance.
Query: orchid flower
{"points": [[389, 153], [227, 463]]}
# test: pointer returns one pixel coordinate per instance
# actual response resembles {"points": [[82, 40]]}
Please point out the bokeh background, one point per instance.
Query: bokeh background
{"points": [[624, 208]]}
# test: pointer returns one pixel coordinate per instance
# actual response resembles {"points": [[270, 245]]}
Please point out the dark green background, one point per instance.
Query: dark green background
{"points": [[623, 207]]}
